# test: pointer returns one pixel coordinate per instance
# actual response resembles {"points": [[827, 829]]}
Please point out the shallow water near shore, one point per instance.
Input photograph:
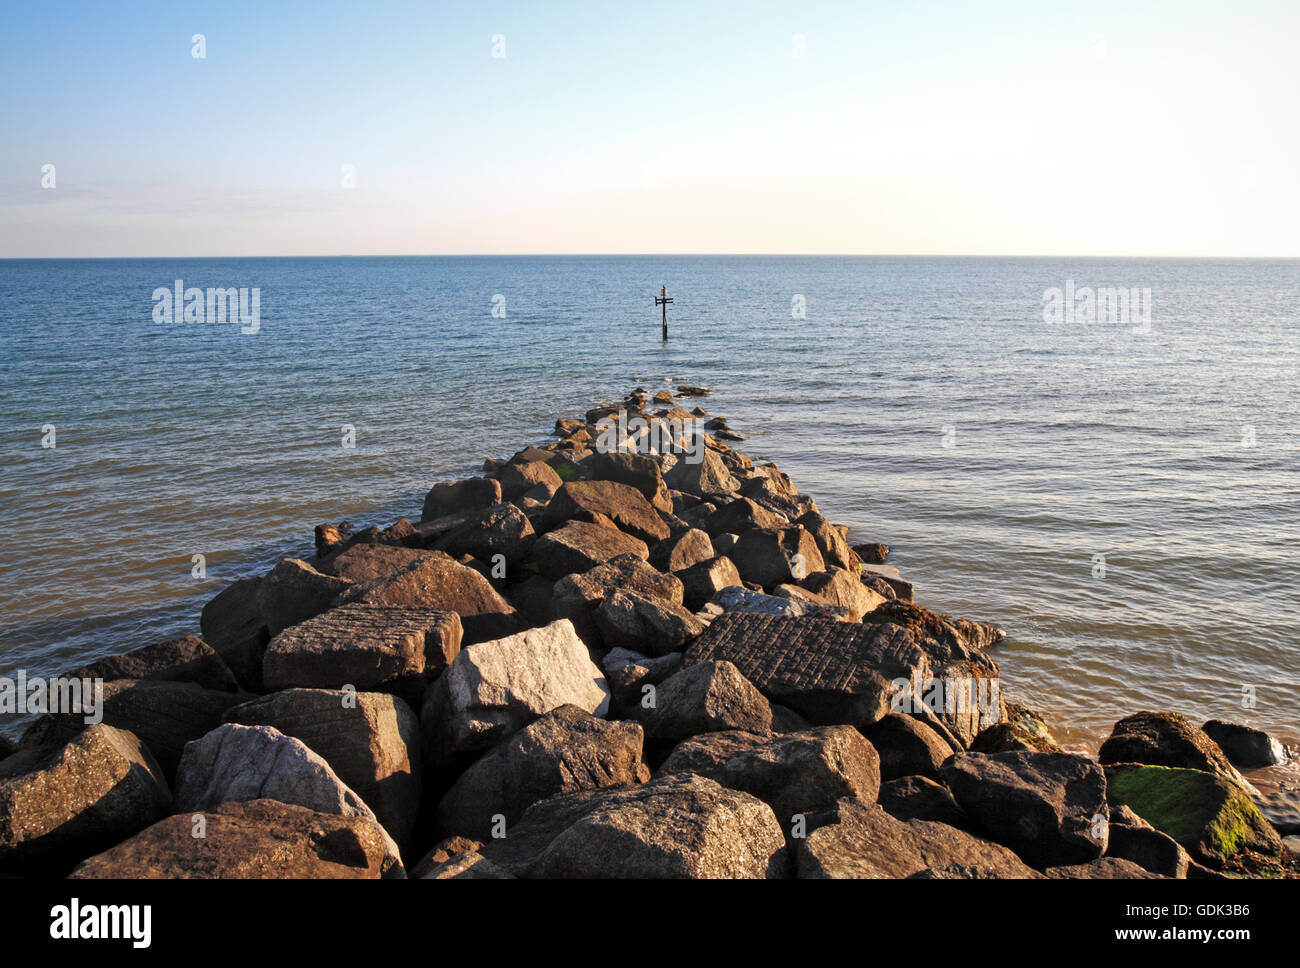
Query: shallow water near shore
{"points": [[922, 401]]}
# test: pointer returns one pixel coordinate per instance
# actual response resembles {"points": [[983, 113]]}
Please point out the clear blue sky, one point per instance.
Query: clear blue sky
{"points": [[1107, 128]]}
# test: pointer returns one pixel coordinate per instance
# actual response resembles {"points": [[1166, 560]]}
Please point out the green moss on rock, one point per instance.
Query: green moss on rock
{"points": [[1211, 816]]}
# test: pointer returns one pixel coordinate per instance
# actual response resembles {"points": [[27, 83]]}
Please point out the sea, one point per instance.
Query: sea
{"points": [[1098, 455]]}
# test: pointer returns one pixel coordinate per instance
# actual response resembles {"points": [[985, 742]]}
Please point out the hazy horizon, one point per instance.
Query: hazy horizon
{"points": [[500, 129]]}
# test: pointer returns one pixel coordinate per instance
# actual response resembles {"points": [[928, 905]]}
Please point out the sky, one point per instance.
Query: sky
{"points": [[964, 128]]}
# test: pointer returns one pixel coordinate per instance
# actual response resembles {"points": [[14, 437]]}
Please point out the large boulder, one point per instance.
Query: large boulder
{"points": [[502, 529], [830, 542], [944, 630], [840, 587], [1133, 839], [706, 477], [738, 516], [528, 477], [254, 839], [920, 798], [673, 827], [293, 592], [187, 659], [238, 763], [1247, 748], [1212, 817], [682, 550], [438, 581], [861, 840], [578, 596], [365, 561], [833, 672], [705, 698], [650, 626], [771, 556], [579, 546], [61, 802], [703, 580], [164, 715], [565, 750], [367, 647], [494, 689], [1166, 739], [369, 739], [608, 502], [766, 493], [1050, 808], [794, 773], [233, 625], [907, 747], [636, 470], [456, 497], [737, 598]]}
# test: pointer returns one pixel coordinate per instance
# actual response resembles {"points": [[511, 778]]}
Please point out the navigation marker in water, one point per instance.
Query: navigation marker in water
{"points": [[663, 300]]}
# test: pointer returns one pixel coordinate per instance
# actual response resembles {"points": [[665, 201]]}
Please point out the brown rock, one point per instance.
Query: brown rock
{"points": [[60, 803], [525, 478], [705, 579], [293, 592], [437, 581], [233, 625], [258, 839], [739, 516], [607, 501], [455, 497], [578, 547], [501, 529], [366, 647], [636, 470], [858, 840], [370, 739], [794, 773], [705, 698], [682, 550], [843, 588], [770, 556], [646, 625], [187, 659], [565, 750]]}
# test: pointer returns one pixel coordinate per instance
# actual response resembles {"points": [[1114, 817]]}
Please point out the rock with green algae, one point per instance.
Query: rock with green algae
{"points": [[1209, 815]]}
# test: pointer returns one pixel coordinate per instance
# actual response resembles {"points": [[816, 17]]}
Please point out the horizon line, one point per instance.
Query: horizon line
{"points": [[646, 255]]}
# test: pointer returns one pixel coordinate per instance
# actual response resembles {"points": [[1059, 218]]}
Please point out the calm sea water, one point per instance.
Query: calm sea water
{"points": [[924, 402]]}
